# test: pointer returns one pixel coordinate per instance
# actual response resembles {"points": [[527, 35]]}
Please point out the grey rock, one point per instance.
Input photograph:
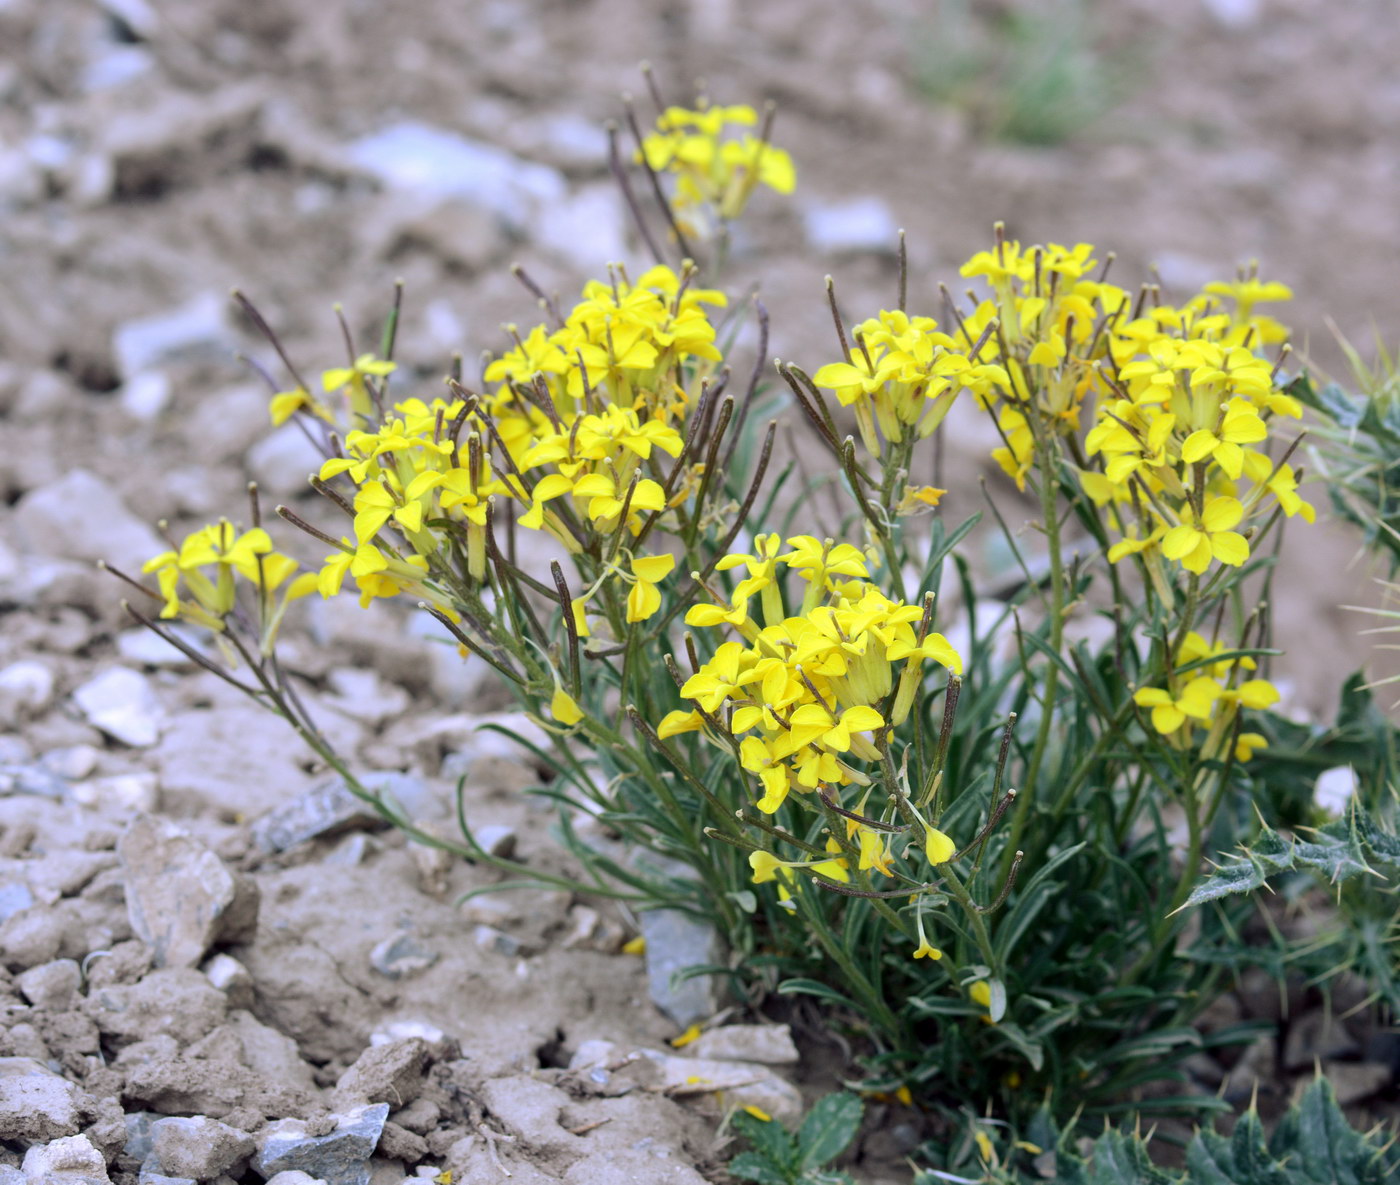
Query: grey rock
{"points": [[180, 897], [293, 1177], [72, 1160], [674, 941], [1316, 1035], [529, 1111], [15, 896], [353, 849], [283, 461], [32, 779], [402, 1146], [854, 225], [745, 1084], [150, 1177], [26, 689], [1354, 1081], [205, 756], [388, 1073], [122, 794], [47, 523], [363, 695], [587, 228], [489, 938], [402, 956], [71, 761], [420, 1116], [51, 986], [176, 1001], [340, 1157], [430, 161], [139, 1140], [199, 1147], [194, 328], [31, 937], [150, 649], [35, 1103], [770, 1045], [240, 1066], [123, 704], [328, 809], [116, 65]]}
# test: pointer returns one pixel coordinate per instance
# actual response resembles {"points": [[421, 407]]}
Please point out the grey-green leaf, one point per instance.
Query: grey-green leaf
{"points": [[829, 1128]]}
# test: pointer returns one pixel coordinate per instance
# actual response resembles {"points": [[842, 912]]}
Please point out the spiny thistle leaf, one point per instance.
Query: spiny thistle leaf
{"points": [[1312, 1145], [1349, 847]]}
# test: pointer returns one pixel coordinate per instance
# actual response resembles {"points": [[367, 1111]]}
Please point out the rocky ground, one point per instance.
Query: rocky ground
{"points": [[214, 966]]}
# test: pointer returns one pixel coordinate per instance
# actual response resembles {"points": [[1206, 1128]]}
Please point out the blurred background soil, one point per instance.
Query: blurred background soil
{"points": [[155, 154]]}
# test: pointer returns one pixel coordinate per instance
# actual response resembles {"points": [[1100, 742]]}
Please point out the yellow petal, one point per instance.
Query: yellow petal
{"points": [[564, 708], [938, 847]]}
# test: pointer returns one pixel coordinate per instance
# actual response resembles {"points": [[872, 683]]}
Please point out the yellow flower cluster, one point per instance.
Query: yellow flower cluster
{"points": [[1184, 397], [205, 566], [1208, 695], [810, 695], [570, 436], [715, 170], [903, 375], [1181, 434]]}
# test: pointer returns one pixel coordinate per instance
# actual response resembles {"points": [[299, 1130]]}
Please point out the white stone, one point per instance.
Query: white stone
{"points": [[122, 794], [69, 1161], [197, 326], [1335, 789], [431, 161], [363, 695], [151, 650], [565, 137], [26, 689], [115, 66], [586, 228], [121, 703], [144, 396], [72, 761], [1234, 14], [768, 1044], [856, 224], [81, 517], [404, 1030]]}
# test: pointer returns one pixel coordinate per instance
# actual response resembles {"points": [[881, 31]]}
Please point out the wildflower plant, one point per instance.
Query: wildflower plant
{"points": [[808, 730]]}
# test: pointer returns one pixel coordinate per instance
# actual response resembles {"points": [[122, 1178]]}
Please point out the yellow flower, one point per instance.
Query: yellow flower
{"points": [[1240, 425], [938, 847], [564, 708], [1197, 540], [1170, 712], [874, 850], [1249, 743], [644, 600], [926, 950], [606, 497]]}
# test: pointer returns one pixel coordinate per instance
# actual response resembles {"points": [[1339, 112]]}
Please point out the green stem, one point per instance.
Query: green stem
{"points": [[1049, 483]]}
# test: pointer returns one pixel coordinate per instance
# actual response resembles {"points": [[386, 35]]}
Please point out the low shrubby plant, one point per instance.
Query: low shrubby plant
{"points": [[976, 829]]}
